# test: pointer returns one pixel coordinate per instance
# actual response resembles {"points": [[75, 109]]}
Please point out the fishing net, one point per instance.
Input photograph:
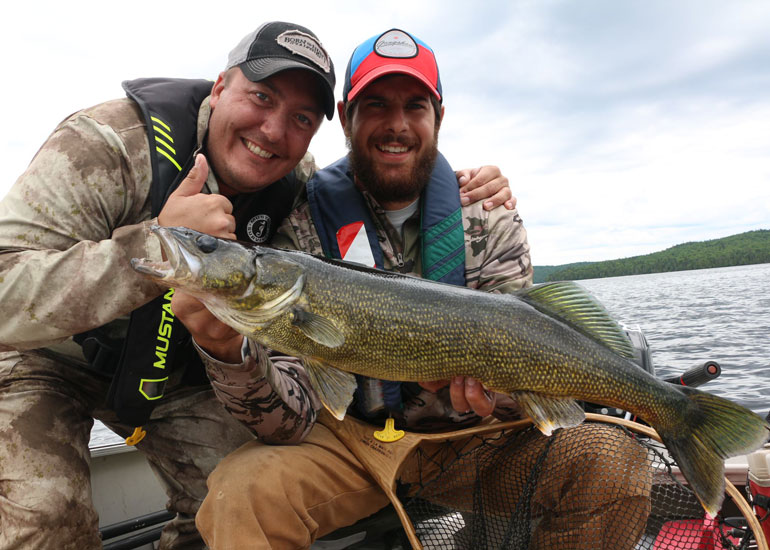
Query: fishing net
{"points": [[602, 486]]}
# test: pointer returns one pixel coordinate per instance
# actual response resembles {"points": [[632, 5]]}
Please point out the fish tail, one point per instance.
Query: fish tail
{"points": [[715, 429]]}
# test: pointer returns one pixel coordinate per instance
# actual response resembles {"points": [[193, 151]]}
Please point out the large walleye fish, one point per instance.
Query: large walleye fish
{"points": [[547, 346]]}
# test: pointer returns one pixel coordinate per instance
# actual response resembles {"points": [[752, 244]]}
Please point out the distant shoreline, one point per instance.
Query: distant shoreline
{"points": [[751, 247]]}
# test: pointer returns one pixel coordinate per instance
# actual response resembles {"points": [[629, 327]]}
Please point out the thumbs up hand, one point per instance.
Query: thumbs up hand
{"points": [[188, 207]]}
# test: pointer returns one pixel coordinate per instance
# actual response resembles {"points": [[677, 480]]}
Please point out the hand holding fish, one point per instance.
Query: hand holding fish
{"points": [[188, 207], [479, 183], [212, 335], [466, 394]]}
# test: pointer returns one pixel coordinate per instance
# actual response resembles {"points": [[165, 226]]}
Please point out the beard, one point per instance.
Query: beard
{"points": [[404, 186]]}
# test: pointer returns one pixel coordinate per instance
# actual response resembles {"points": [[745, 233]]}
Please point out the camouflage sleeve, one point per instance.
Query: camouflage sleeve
{"points": [[267, 392], [305, 169], [297, 231], [507, 409], [68, 230], [497, 252]]}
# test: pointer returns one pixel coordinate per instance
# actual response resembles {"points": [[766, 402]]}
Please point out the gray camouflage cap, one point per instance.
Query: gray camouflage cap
{"points": [[278, 46]]}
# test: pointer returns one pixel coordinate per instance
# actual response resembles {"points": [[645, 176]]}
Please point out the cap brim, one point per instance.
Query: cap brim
{"points": [[384, 70], [260, 69]]}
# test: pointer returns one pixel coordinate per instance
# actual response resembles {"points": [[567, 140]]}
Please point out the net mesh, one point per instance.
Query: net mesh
{"points": [[594, 486]]}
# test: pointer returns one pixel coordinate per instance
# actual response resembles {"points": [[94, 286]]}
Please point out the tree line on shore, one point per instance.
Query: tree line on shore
{"points": [[752, 247]]}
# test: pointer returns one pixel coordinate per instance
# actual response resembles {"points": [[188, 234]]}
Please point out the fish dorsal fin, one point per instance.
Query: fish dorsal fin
{"points": [[550, 413], [576, 306], [334, 387], [319, 329]]}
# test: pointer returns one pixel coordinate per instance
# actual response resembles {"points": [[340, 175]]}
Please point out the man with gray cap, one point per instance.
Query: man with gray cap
{"points": [[83, 336]]}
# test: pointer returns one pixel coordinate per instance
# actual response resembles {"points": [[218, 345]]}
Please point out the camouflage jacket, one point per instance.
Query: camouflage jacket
{"points": [[497, 260], [71, 224]]}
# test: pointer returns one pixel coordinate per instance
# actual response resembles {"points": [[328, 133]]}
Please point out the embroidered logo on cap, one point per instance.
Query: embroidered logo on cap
{"points": [[395, 43], [305, 45]]}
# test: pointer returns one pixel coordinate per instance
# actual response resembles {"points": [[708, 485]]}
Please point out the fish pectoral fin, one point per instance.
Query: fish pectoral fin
{"points": [[550, 413], [319, 329], [334, 387]]}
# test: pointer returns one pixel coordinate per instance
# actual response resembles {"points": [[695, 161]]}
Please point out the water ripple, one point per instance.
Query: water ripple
{"points": [[709, 314]]}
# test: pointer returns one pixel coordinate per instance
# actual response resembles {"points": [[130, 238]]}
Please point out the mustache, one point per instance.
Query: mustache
{"points": [[391, 137]]}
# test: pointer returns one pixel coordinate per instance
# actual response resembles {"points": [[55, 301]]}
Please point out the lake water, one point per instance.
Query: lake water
{"points": [[688, 317]]}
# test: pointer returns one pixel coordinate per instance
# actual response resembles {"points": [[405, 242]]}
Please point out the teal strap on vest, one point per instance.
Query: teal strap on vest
{"points": [[443, 242]]}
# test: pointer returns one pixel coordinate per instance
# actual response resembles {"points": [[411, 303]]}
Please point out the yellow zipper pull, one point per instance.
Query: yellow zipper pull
{"points": [[135, 437], [390, 433]]}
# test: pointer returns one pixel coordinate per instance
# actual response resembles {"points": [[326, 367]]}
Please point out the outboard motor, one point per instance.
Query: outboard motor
{"points": [[642, 353]]}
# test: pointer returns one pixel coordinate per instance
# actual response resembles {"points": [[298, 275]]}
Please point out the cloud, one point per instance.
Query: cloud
{"points": [[624, 127]]}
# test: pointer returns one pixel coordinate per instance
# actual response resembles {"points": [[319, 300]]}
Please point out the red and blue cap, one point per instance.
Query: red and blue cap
{"points": [[392, 52]]}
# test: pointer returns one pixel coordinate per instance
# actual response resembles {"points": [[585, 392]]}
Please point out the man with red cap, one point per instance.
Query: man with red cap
{"points": [[389, 203]]}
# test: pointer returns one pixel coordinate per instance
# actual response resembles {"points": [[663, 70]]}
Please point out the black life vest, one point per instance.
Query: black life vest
{"points": [[156, 342]]}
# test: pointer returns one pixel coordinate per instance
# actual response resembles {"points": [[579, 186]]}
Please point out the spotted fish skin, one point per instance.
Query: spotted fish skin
{"points": [[547, 346]]}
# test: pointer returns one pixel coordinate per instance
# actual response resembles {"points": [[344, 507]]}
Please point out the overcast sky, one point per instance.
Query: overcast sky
{"points": [[625, 127]]}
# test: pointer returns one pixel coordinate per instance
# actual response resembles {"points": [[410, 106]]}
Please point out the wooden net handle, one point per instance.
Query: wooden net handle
{"points": [[384, 461]]}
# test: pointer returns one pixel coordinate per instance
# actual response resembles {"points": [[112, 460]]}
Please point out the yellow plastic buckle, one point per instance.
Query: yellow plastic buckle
{"points": [[135, 437], [390, 433]]}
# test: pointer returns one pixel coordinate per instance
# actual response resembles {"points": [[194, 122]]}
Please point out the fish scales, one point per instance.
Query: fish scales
{"points": [[546, 346], [394, 330]]}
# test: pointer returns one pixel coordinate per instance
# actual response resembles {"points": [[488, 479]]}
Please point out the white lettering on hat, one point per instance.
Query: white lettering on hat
{"points": [[305, 45], [395, 43]]}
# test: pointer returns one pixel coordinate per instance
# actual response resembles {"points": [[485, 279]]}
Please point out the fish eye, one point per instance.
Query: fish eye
{"points": [[206, 243]]}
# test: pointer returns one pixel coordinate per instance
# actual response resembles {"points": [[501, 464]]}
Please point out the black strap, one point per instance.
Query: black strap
{"points": [[157, 343], [100, 350], [170, 108]]}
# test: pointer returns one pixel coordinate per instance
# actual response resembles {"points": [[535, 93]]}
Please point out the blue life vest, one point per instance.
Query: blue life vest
{"points": [[336, 203]]}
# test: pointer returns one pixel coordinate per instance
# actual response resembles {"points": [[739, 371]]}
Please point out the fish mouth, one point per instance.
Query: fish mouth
{"points": [[180, 264]]}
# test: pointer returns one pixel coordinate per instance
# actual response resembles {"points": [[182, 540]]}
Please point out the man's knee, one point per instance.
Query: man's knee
{"points": [[602, 458], [252, 469], [38, 515], [255, 494]]}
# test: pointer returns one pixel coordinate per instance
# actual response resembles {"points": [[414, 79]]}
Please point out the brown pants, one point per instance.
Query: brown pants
{"points": [[46, 414], [263, 497]]}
